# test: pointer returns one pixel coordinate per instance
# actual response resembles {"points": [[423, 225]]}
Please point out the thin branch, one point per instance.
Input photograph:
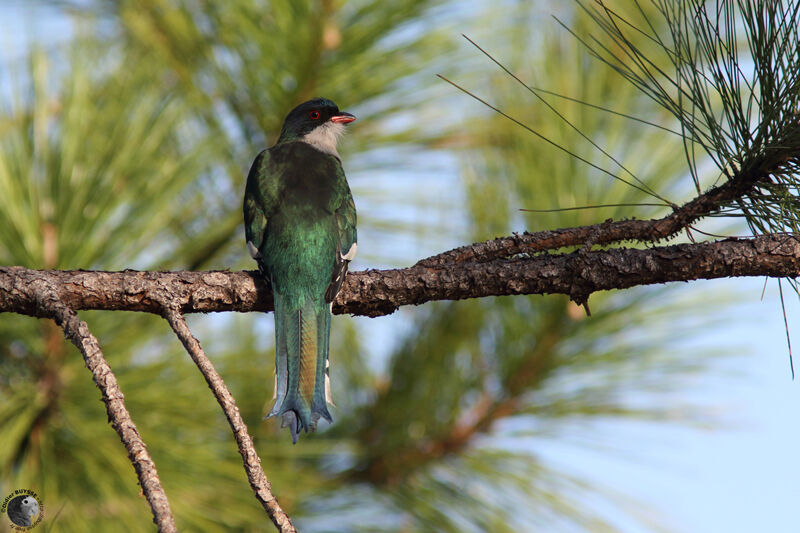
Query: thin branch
{"points": [[78, 332], [381, 292], [786, 325], [598, 206], [252, 462], [644, 186], [550, 141], [614, 232]]}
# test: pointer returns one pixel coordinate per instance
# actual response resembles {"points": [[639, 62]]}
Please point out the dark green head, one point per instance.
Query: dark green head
{"points": [[318, 122]]}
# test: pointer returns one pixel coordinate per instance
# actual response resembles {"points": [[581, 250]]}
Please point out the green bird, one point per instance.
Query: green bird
{"points": [[300, 225]]}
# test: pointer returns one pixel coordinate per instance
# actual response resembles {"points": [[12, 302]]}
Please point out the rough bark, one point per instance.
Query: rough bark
{"points": [[252, 462], [381, 292], [78, 332]]}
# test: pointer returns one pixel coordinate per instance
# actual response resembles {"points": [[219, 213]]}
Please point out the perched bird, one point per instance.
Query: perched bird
{"points": [[300, 225]]}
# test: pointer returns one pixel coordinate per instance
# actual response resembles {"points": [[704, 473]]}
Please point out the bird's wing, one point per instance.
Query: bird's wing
{"points": [[345, 217], [258, 204]]}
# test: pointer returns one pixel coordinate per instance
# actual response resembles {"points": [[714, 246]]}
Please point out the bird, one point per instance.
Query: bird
{"points": [[300, 227]]}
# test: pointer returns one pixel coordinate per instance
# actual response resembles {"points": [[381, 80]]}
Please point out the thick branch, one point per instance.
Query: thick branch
{"points": [[381, 292], [252, 462], [78, 332]]}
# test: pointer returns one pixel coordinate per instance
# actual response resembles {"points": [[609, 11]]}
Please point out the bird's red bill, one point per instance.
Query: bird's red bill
{"points": [[343, 119]]}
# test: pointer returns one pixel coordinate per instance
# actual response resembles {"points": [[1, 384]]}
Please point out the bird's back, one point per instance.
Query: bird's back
{"points": [[301, 235]]}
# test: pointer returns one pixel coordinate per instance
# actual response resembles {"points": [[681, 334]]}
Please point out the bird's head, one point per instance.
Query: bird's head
{"points": [[317, 122]]}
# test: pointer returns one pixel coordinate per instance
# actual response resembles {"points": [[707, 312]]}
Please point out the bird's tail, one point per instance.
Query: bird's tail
{"points": [[302, 386]]}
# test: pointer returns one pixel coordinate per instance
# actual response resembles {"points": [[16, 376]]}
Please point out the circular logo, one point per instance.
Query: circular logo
{"points": [[23, 508]]}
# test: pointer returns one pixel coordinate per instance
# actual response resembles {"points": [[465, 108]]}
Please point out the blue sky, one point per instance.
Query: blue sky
{"points": [[743, 476]]}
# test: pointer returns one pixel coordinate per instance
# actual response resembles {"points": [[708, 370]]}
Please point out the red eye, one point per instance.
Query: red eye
{"points": [[314, 115]]}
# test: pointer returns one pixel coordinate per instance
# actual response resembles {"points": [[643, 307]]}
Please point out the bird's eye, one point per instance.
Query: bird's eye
{"points": [[314, 115]]}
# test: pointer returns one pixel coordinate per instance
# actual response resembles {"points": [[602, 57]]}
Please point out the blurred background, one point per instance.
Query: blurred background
{"points": [[126, 131]]}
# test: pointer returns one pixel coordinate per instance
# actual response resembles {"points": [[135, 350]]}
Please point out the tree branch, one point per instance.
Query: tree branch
{"points": [[78, 332], [611, 231], [380, 292], [252, 462]]}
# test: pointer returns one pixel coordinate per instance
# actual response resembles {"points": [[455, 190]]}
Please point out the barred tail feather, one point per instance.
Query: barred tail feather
{"points": [[302, 340]]}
